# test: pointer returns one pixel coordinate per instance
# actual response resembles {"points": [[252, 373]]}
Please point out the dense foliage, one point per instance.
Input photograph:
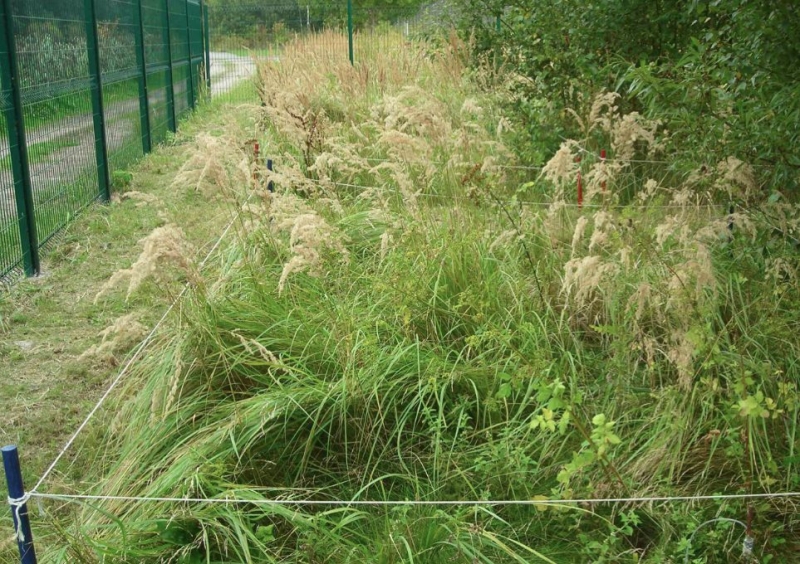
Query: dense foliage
{"points": [[720, 74], [254, 20], [413, 314]]}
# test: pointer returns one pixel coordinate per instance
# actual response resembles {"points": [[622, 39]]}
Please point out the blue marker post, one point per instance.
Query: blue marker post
{"points": [[16, 493]]}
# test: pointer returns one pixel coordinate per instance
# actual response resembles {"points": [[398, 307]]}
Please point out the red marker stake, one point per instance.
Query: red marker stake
{"points": [[256, 151]]}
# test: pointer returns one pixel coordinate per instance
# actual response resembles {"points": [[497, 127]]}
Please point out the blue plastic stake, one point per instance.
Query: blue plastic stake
{"points": [[16, 491], [270, 185]]}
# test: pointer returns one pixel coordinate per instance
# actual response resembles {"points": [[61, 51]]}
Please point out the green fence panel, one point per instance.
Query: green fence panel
{"points": [[207, 47], [96, 87], [157, 58], [196, 40], [179, 43], [18, 243], [55, 88], [144, 104], [86, 88], [377, 31], [117, 31]]}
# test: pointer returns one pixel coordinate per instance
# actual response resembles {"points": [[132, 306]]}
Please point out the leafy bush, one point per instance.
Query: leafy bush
{"points": [[717, 73]]}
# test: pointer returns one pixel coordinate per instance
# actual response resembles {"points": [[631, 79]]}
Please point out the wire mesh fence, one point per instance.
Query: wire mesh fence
{"points": [[87, 88]]}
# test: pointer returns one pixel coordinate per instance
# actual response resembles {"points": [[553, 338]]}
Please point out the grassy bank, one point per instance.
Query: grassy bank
{"points": [[413, 315], [55, 353]]}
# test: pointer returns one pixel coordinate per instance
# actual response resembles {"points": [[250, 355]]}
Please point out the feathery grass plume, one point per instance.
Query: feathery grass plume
{"points": [[737, 179], [693, 281], [781, 272], [471, 109], [648, 193], [310, 237], [631, 129], [117, 338], [604, 111], [165, 250], [413, 111], [719, 229], [340, 160], [682, 355], [405, 185], [583, 277], [604, 224], [580, 230], [217, 165], [561, 170]]}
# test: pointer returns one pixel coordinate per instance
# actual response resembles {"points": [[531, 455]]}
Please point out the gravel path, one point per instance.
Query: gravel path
{"points": [[228, 70]]}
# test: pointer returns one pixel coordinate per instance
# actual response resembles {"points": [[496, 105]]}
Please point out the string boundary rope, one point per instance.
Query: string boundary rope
{"points": [[133, 358], [355, 503], [531, 202]]}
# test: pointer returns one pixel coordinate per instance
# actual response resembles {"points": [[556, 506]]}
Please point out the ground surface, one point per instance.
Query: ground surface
{"points": [[47, 323]]}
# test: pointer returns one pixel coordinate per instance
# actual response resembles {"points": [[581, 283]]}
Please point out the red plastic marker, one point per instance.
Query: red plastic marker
{"points": [[256, 151]]}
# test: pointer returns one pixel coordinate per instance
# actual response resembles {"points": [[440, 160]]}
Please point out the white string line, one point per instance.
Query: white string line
{"points": [[531, 203], [442, 163], [360, 502], [139, 349]]}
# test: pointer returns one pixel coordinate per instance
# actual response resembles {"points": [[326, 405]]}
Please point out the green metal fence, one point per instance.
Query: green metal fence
{"points": [[244, 32], [88, 86]]}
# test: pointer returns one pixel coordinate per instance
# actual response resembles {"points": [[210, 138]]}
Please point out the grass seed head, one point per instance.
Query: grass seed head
{"points": [[165, 250]]}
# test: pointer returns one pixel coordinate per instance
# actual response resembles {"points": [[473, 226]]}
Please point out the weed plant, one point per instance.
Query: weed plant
{"points": [[406, 318]]}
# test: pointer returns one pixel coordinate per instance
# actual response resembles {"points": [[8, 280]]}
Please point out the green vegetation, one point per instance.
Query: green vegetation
{"points": [[720, 75], [48, 323], [411, 317]]}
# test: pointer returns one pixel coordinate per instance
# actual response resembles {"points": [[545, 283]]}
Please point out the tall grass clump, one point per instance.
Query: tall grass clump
{"points": [[408, 317]]}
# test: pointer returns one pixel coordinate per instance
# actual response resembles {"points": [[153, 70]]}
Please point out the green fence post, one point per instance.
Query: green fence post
{"points": [[144, 101], [173, 122], [189, 54], [12, 109], [98, 113], [208, 49], [207, 34], [350, 29]]}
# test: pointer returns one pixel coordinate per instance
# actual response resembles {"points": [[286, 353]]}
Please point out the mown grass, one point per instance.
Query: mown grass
{"points": [[407, 318], [48, 323]]}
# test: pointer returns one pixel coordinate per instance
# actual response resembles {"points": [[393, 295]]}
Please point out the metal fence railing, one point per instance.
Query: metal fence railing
{"points": [[88, 86]]}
